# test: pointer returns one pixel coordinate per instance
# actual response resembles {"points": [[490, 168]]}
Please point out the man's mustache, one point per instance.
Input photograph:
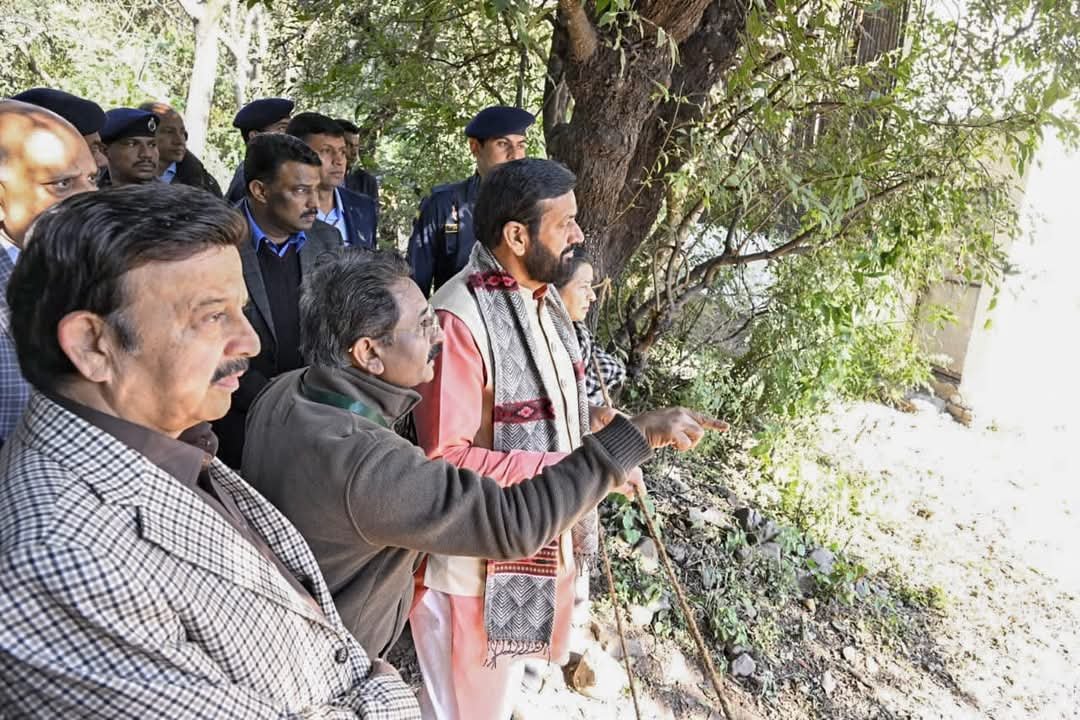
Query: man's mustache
{"points": [[434, 352], [240, 365], [310, 213]]}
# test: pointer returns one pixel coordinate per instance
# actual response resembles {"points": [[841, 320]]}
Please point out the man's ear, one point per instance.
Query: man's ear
{"points": [[257, 189], [89, 344], [3, 205], [365, 356], [516, 237], [475, 147]]}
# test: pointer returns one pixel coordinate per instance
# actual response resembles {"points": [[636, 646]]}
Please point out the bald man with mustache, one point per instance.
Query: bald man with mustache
{"points": [[43, 159]]}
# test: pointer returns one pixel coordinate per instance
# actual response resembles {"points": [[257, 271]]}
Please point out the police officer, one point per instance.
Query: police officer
{"points": [[442, 235], [266, 115], [87, 116], [130, 138]]}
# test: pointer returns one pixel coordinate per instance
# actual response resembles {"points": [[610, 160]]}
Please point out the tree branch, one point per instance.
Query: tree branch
{"points": [[660, 315], [464, 62], [35, 67], [580, 29], [797, 243], [523, 62], [678, 18], [196, 10]]}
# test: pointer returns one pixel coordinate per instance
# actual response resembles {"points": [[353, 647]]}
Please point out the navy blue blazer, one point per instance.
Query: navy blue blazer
{"points": [[237, 187], [361, 218], [442, 235]]}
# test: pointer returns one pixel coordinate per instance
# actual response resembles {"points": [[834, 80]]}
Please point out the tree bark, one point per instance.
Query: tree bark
{"points": [[619, 130], [206, 17]]}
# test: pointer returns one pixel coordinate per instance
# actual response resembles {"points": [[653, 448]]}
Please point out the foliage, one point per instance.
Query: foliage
{"points": [[628, 516], [857, 185], [412, 75], [848, 156], [73, 46], [779, 606], [123, 54]]}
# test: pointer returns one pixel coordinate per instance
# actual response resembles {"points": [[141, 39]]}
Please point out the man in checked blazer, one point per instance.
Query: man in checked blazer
{"points": [[43, 159], [284, 244], [139, 576]]}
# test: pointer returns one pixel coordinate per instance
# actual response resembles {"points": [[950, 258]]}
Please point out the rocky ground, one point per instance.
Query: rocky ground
{"points": [[931, 574]]}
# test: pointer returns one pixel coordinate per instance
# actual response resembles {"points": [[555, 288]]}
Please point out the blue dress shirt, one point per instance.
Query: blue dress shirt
{"points": [[336, 217], [258, 237]]}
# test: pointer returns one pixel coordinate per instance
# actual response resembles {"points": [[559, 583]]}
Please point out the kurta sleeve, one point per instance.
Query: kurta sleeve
{"points": [[450, 414]]}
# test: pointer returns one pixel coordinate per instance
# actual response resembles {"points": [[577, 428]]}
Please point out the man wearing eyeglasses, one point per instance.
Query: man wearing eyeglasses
{"points": [[322, 448]]}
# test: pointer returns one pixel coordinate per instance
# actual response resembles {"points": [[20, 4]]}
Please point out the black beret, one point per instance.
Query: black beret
{"points": [[499, 120], [128, 122], [259, 114], [87, 116]]}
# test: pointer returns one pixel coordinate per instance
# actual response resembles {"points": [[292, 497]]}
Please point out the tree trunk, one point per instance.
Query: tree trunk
{"points": [[619, 131], [203, 74]]}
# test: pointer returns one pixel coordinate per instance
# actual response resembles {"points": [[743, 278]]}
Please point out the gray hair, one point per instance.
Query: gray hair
{"points": [[348, 298]]}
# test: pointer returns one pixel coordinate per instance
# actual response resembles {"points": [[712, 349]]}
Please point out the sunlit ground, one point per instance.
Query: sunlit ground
{"points": [[991, 514]]}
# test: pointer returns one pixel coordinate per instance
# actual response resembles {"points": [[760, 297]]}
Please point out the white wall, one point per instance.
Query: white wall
{"points": [[1025, 370]]}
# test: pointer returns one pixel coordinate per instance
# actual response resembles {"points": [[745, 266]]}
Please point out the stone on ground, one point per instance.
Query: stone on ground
{"points": [[770, 551], [828, 683], [648, 555], [823, 560], [743, 666], [595, 674]]}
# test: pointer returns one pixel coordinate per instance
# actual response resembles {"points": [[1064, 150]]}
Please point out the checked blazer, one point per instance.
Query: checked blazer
{"points": [[14, 391], [123, 595]]}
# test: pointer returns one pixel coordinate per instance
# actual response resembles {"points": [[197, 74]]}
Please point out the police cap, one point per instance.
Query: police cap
{"points": [[259, 114], [87, 116], [128, 122], [499, 120]]}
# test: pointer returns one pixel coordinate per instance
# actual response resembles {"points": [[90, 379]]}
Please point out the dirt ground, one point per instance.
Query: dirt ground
{"points": [[989, 516]]}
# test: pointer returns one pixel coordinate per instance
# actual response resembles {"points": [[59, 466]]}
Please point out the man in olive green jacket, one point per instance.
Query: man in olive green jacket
{"points": [[321, 447]]}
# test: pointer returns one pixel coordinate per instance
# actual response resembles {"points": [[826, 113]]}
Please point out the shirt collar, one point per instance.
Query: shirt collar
{"points": [[183, 458], [335, 213], [258, 237], [169, 174], [536, 295], [391, 401]]}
